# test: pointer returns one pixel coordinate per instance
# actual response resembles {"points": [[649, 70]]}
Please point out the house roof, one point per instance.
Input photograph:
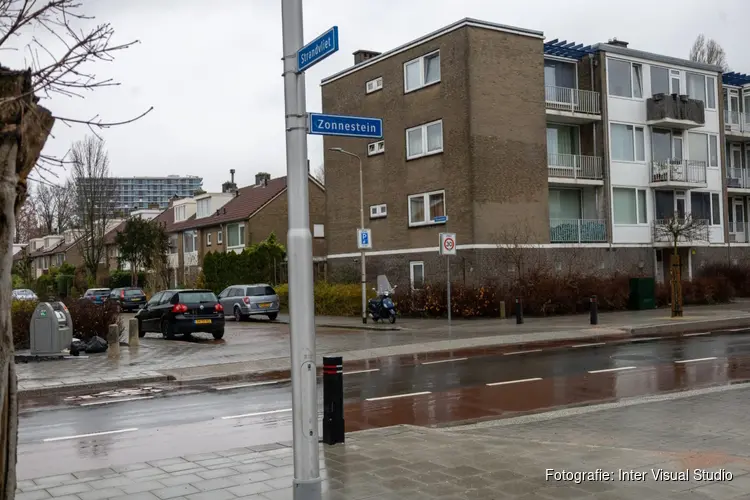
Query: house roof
{"points": [[60, 247], [109, 238], [606, 47]]}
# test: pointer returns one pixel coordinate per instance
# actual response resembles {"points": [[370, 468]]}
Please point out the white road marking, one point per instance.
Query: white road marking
{"points": [[697, 334], [618, 369], [514, 381], [110, 401], [443, 361], [738, 329], [362, 371], [251, 384], [93, 434], [259, 414], [588, 345], [522, 352], [399, 396], [645, 339], [695, 360]]}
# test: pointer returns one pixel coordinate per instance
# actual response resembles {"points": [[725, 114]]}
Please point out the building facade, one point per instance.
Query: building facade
{"points": [[133, 193]]}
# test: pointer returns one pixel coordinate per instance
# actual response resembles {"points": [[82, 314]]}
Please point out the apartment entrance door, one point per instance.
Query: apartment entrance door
{"points": [[738, 215]]}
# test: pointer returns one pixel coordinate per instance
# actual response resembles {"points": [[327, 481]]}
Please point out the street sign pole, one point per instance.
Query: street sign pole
{"points": [[307, 482], [448, 248], [448, 265]]}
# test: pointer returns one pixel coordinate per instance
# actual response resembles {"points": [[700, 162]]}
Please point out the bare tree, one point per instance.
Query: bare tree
{"points": [[45, 207], [516, 255], [708, 50], [320, 173], [95, 206], [27, 222], [24, 128], [65, 205], [676, 230]]}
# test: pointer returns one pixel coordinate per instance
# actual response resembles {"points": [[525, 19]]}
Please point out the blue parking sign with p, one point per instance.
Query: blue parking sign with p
{"points": [[363, 239]]}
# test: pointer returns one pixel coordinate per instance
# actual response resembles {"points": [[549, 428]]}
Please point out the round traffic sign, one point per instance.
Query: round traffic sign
{"points": [[449, 244]]}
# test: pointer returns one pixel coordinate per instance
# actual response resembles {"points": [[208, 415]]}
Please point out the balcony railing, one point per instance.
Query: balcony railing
{"points": [[573, 100], [577, 231], [676, 108], [737, 178], [737, 121], [679, 171], [699, 231], [575, 166]]}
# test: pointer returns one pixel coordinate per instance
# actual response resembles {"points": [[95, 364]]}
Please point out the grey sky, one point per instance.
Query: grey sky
{"points": [[212, 69]]}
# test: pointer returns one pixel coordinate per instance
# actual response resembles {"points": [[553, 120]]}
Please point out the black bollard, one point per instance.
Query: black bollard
{"points": [[519, 311], [594, 311], [333, 400]]}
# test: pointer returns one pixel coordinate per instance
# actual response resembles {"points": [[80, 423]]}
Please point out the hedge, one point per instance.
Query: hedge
{"points": [[331, 299], [259, 263]]}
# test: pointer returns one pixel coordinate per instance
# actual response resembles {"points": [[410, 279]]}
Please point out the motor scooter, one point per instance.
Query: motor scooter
{"points": [[382, 307]]}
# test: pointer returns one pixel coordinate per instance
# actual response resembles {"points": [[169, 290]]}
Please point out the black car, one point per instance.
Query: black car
{"points": [[128, 298], [182, 312]]}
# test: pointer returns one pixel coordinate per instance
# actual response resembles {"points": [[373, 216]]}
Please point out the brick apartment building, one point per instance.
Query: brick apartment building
{"points": [[580, 151]]}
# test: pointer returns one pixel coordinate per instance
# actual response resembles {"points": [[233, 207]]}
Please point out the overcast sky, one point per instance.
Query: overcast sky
{"points": [[212, 68]]}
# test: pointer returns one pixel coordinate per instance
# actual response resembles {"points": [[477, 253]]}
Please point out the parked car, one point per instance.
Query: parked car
{"points": [[97, 295], [250, 300], [128, 298], [182, 312], [24, 294]]}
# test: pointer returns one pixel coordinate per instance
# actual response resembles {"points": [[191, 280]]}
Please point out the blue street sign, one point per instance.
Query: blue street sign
{"points": [[441, 218], [364, 240], [317, 50], [348, 126]]}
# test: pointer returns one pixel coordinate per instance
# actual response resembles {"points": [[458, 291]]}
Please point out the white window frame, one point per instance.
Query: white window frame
{"points": [[319, 231], [708, 147], [421, 61], [426, 200], [378, 211], [208, 239], [706, 78], [375, 84], [185, 237], [219, 237], [179, 213], [204, 203], [635, 143], [632, 79], [376, 148], [241, 234], [412, 265], [711, 221], [637, 206], [424, 152]]}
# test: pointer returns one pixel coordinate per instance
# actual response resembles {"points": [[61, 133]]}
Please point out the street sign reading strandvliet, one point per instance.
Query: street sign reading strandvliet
{"points": [[317, 50], [348, 126]]}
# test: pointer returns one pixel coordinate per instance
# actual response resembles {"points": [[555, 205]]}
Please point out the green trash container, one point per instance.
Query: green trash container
{"points": [[642, 294]]}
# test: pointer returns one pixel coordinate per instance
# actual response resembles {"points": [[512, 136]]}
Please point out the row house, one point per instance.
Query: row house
{"points": [[583, 151], [53, 251], [111, 259], [234, 219]]}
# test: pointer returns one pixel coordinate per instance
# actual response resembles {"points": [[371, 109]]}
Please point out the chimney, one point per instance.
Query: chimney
{"points": [[618, 43], [230, 186], [262, 178], [231, 173], [363, 55]]}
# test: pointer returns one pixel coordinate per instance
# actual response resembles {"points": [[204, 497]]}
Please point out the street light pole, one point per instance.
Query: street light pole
{"points": [[307, 481], [363, 266]]}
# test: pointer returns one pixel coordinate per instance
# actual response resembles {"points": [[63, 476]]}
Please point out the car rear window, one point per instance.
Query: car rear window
{"points": [[259, 291], [97, 292], [196, 297], [133, 293]]}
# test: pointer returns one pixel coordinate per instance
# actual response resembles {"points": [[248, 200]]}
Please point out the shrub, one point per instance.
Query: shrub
{"points": [[91, 319], [21, 312], [738, 276], [703, 290], [259, 263], [121, 279], [330, 299]]}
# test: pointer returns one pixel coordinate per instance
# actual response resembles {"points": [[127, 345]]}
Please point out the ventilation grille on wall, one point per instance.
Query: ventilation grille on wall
{"points": [[375, 148], [374, 85]]}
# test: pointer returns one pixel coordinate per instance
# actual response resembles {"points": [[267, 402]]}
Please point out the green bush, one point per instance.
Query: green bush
{"points": [[121, 279], [330, 299], [64, 284], [21, 312], [257, 264]]}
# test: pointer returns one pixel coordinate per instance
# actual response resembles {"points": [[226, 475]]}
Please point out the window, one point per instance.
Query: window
{"points": [[319, 231], [375, 148], [559, 74], [172, 243], [629, 206], [416, 275], [179, 213], [190, 241], [219, 237], [706, 206], [203, 208], [564, 204], [625, 78], [208, 239], [235, 235], [374, 85], [659, 80], [424, 140], [698, 147], [702, 88], [713, 151], [378, 211], [421, 72], [423, 208], [628, 143]]}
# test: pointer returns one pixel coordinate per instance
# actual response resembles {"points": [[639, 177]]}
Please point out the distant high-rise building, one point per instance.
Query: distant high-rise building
{"points": [[151, 192]]}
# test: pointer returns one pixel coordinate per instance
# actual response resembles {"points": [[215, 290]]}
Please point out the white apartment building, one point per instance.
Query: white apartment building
{"points": [[737, 133]]}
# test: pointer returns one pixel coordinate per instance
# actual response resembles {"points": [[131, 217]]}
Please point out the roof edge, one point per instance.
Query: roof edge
{"points": [[467, 21], [605, 47]]}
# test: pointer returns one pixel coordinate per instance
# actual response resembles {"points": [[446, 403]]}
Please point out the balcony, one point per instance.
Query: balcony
{"points": [[736, 124], [683, 174], [575, 169], [698, 234], [675, 112], [738, 180], [738, 232], [577, 231], [569, 105]]}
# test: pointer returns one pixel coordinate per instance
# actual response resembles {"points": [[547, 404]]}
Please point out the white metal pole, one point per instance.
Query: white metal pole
{"points": [[307, 481], [362, 257], [448, 266]]}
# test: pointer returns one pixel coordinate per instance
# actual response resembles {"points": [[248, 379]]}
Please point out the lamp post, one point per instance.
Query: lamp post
{"points": [[362, 227]]}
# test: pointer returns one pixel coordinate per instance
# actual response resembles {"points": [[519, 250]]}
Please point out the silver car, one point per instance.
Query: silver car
{"points": [[243, 301], [24, 294]]}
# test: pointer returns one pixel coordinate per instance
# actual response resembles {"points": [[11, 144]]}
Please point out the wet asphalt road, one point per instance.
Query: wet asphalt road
{"points": [[432, 393]]}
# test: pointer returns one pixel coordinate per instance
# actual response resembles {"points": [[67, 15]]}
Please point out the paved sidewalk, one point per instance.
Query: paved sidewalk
{"points": [[704, 430], [257, 349]]}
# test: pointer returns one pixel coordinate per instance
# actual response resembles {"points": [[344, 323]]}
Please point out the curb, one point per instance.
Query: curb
{"points": [[105, 385], [383, 328]]}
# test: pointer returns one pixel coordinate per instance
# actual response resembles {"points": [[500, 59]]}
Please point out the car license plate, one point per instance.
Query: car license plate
{"points": [[202, 321], [264, 305], [136, 300]]}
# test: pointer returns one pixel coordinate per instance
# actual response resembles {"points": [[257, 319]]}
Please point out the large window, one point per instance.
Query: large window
{"points": [[190, 241], [179, 213], [559, 74], [706, 206], [659, 80], [702, 88], [627, 142], [564, 204], [422, 71], [629, 206], [203, 208], [173, 243], [625, 78], [416, 275], [424, 208], [562, 139], [236, 235], [698, 147], [424, 140]]}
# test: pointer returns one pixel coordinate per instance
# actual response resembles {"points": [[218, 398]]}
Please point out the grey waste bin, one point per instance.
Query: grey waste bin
{"points": [[51, 328]]}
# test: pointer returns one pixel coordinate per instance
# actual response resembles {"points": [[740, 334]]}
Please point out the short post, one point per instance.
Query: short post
{"points": [[113, 340], [519, 311], [594, 310], [133, 333], [333, 400], [502, 309]]}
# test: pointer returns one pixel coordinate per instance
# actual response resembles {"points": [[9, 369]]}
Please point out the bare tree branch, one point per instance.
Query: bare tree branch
{"points": [[45, 207], [708, 51], [320, 173], [677, 229]]}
